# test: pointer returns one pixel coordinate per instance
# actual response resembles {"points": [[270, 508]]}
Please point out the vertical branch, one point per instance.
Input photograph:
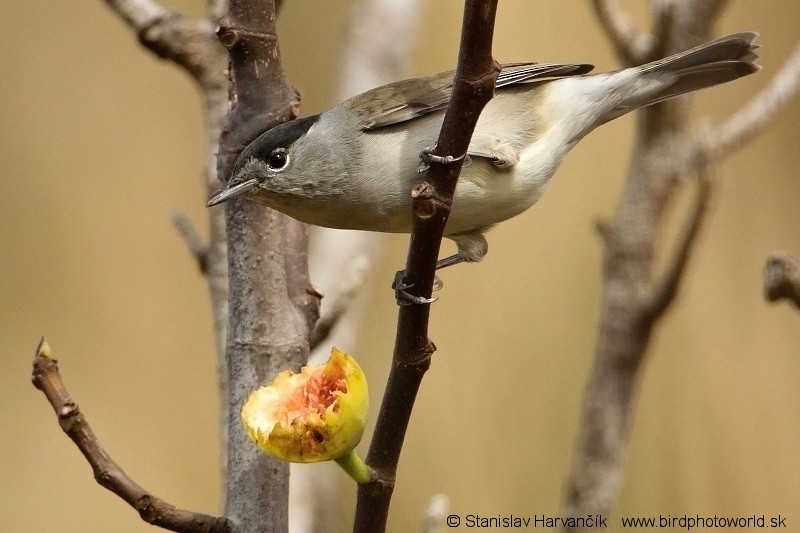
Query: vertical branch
{"points": [[269, 315], [473, 87], [628, 314], [635, 296]]}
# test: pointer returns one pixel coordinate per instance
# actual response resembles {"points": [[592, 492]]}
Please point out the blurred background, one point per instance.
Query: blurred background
{"points": [[100, 140]]}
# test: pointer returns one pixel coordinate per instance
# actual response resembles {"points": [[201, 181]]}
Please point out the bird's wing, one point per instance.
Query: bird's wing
{"points": [[401, 101]]}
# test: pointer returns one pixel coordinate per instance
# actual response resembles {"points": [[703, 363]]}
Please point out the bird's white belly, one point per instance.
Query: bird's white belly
{"points": [[485, 195]]}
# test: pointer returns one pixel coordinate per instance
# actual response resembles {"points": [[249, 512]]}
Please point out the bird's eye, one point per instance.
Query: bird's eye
{"points": [[278, 159]]}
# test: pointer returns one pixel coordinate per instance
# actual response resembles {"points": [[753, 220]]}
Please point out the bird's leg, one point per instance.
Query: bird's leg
{"points": [[427, 158], [449, 261], [402, 296], [399, 285]]}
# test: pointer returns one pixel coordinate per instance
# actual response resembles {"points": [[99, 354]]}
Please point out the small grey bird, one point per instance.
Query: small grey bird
{"points": [[353, 167]]}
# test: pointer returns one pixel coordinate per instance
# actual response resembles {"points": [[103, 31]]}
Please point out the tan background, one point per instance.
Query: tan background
{"points": [[99, 141]]}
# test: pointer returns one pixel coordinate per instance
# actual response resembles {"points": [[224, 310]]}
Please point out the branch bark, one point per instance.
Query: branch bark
{"points": [[473, 87], [272, 305]]}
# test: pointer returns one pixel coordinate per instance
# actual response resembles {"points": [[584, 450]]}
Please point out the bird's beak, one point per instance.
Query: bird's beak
{"points": [[231, 191]]}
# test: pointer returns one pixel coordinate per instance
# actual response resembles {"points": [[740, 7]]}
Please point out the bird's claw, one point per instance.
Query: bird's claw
{"points": [[403, 297], [427, 157]]}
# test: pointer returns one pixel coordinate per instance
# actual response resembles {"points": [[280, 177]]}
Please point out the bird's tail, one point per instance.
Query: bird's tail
{"points": [[709, 64], [720, 61]]}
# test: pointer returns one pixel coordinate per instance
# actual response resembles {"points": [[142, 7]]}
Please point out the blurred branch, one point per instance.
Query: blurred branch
{"points": [[782, 278], [216, 9], [194, 242], [632, 46], [107, 472], [435, 514], [473, 87], [760, 111], [173, 36], [352, 279], [635, 297], [380, 39], [664, 290], [693, 23], [139, 14], [194, 46], [663, 13]]}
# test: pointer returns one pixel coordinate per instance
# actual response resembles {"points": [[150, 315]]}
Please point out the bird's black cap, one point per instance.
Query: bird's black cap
{"points": [[281, 136]]}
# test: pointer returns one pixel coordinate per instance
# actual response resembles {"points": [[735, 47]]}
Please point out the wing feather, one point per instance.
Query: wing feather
{"points": [[406, 100]]}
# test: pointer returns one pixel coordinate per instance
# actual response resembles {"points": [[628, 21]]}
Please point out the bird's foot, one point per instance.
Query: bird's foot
{"points": [[427, 157], [403, 297]]}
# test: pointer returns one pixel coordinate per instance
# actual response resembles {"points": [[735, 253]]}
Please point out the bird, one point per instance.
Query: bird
{"points": [[353, 166]]}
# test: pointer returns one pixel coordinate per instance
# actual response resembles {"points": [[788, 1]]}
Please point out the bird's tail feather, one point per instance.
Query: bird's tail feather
{"points": [[709, 64]]}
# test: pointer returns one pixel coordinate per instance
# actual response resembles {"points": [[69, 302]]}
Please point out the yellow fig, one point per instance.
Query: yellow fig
{"points": [[315, 415]]}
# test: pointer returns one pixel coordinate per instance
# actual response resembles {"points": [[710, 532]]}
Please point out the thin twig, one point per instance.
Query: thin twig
{"points": [[191, 237], [663, 290], [153, 510], [473, 87], [782, 278], [352, 279], [760, 111]]}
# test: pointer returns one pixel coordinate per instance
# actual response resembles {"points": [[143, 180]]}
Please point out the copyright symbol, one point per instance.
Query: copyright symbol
{"points": [[453, 520]]}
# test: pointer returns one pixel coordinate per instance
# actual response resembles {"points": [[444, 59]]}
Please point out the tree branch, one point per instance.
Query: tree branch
{"points": [[760, 111], [663, 14], [782, 278], [473, 87], [271, 306], [665, 289], [634, 296], [351, 280], [172, 36], [379, 37], [107, 472], [256, 486], [139, 14], [194, 242], [632, 46]]}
